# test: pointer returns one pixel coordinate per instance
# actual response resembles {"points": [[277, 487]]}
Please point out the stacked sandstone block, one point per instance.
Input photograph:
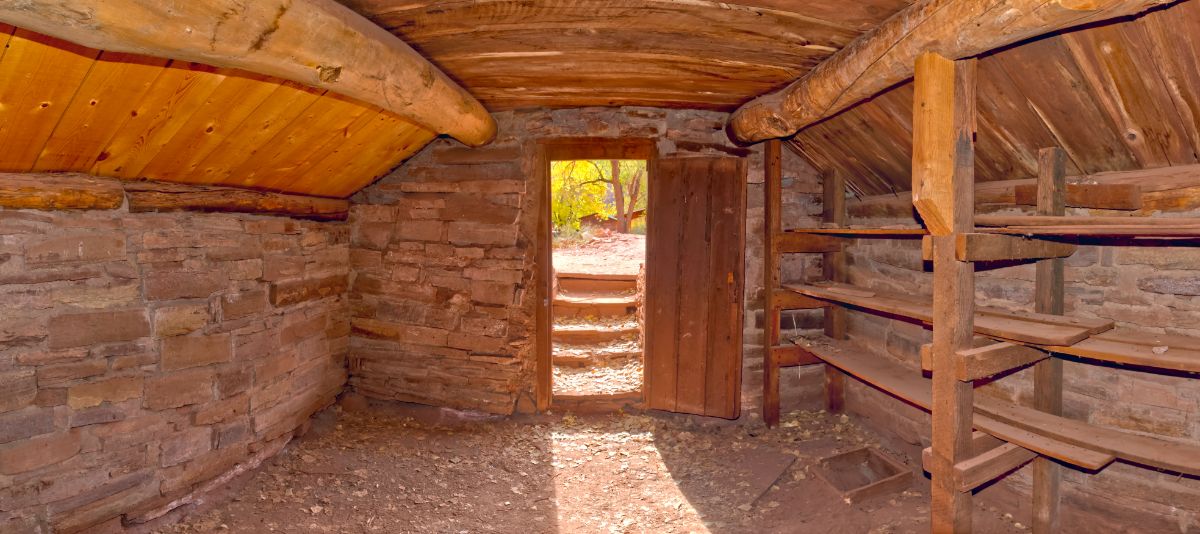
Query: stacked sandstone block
{"points": [[143, 355]]}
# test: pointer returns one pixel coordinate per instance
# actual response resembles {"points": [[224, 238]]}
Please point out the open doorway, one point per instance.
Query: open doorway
{"points": [[598, 228]]}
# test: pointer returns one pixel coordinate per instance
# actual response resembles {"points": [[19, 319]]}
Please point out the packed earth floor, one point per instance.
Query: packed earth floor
{"points": [[398, 468]]}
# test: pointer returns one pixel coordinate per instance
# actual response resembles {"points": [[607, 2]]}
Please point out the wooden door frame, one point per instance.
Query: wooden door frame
{"points": [[554, 149]]}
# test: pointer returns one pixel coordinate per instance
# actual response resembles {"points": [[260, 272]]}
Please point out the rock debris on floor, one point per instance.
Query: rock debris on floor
{"points": [[384, 470]]}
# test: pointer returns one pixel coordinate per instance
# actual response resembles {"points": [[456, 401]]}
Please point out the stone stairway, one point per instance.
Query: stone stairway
{"points": [[597, 351]]}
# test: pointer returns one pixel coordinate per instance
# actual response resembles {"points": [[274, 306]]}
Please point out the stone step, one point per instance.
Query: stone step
{"points": [[587, 282], [598, 403], [594, 304], [582, 355], [578, 335]]}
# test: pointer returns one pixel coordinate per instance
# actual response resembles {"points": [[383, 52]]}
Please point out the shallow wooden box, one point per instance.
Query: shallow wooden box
{"points": [[863, 473]]}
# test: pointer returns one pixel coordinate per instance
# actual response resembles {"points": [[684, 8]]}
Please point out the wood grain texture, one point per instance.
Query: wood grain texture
{"points": [[1116, 97], [65, 108], [955, 29], [287, 41], [694, 286], [59, 192], [1049, 298], [667, 53]]}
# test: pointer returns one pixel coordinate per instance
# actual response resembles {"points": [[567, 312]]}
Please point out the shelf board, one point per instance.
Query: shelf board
{"points": [[1030, 328], [851, 232], [909, 385], [1077, 442], [1177, 353]]}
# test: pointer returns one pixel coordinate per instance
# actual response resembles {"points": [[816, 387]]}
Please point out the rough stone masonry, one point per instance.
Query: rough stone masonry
{"points": [[143, 355]]}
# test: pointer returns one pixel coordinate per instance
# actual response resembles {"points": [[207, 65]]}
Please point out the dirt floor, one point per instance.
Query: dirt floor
{"points": [[605, 253], [401, 468]]}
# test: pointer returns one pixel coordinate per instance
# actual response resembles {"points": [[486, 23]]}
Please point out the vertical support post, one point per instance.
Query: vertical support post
{"points": [[544, 318], [1048, 373], [833, 189], [772, 227], [944, 193]]}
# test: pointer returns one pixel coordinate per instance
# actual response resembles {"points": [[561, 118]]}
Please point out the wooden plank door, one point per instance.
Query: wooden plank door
{"points": [[695, 243]]}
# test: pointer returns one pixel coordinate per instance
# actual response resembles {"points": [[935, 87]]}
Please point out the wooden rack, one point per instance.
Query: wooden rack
{"points": [[974, 440]]}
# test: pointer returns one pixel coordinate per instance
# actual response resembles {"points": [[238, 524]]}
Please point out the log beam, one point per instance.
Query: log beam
{"points": [[318, 43], [59, 192], [50, 192], [883, 57], [161, 196]]}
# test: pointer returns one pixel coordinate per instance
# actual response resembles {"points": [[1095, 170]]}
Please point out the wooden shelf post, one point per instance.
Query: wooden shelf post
{"points": [[833, 189], [772, 227], [943, 193], [1048, 373]]}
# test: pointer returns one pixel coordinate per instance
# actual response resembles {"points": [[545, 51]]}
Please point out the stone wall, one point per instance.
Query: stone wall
{"points": [[1147, 288], [144, 355], [442, 253]]}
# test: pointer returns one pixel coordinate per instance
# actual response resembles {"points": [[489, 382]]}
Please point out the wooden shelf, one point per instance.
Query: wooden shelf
{"points": [[1094, 338], [1157, 351], [1076, 442], [1051, 225], [909, 385], [852, 232], [1029, 328]]}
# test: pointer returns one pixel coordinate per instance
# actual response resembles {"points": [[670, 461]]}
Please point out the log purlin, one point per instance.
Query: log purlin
{"points": [[883, 57], [73, 191], [318, 43]]}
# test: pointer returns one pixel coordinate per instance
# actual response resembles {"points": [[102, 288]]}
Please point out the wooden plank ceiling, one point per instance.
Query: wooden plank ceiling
{"points": [[1116, 97], [667, 53], [66, 108]]}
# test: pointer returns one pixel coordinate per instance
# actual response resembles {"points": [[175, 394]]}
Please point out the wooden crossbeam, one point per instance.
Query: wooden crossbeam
{"points": [[792, 355], [991, 360], [801, 243], [318, 43], [986, 466], [790, 300], [1102, 196], [885, 56], [997, 247]]}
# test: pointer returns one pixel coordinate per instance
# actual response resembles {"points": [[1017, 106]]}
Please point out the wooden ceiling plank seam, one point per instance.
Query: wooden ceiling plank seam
{"points": [[381, 127], [58, 121], [1106, 56], [325, 119], [175, 95], [288, 102], [234, 99], [93, 117], [330, 132], [388, 153], [796, 12], [334, 163], [294, 174], [367, 170], [42, 75], [1173, 47], [1047, 95]]}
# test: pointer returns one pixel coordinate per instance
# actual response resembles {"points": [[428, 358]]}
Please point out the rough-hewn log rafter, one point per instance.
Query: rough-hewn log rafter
{"points": [[885, 56], [314, 42]]}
